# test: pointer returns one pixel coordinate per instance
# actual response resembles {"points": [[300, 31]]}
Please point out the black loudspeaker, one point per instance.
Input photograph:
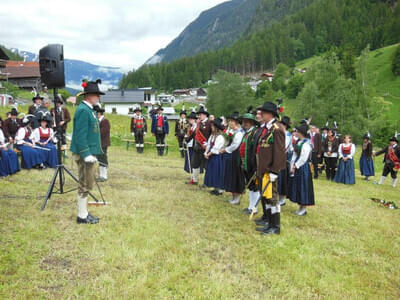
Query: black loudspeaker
{"points": [[51, 62]]}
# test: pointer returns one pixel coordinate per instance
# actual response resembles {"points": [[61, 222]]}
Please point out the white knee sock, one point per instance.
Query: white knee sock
{"points": [[105, 173], [82, 207], [195, 174], [276, 209], [383, 178], [394, 182]]}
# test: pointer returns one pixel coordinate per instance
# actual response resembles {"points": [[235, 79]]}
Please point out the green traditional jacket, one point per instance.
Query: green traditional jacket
{"points": [[86, 132]]}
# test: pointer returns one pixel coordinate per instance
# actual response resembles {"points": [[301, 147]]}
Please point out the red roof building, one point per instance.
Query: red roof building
{"points": [[25, 75]]}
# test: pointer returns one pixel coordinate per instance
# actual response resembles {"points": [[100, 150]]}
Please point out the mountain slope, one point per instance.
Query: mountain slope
{"points": [[215, 28]]}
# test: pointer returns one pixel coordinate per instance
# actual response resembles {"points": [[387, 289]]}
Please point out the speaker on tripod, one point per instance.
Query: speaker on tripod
{"points": [[51, 64]]}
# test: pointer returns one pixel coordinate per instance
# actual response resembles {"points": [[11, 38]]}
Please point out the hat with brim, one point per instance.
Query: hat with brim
{"points": [[270, 107], [303, 129], [160, 108], [137, 109], [235, 116], [183, 112], [249, 117], [14, 112], [203, 111], [218, 124], [37, 96], [394, 139], [286, 121], [91, 87], [192, 115]]}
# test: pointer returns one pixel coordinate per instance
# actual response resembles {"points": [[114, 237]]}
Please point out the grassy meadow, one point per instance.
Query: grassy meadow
{"points": [[162, 239]]}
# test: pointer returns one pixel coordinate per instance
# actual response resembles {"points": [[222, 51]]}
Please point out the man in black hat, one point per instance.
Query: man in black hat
{"points": [[86, 145], [391, 160], [37, 102], [41, 111], [189, 140], [139, 129], [181, 126], [11, 126], [160, 129], [105, 129], [203, 132], [271, 160], [61, 118]]}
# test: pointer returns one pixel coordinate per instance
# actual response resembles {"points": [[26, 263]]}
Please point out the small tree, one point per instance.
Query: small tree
{"points": [[396, 62]]}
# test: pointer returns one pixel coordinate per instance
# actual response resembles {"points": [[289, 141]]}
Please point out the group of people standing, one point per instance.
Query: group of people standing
{"points": [[253, 151], [33, 135]]}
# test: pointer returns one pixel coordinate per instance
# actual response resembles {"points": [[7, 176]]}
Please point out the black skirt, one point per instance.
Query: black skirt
{"points": [[234, 180]]}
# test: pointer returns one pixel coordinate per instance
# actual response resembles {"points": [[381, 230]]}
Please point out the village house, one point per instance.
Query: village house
{"points": [[124, 102], [3, 62], [267, 76], [25, 75], [254, 84]]}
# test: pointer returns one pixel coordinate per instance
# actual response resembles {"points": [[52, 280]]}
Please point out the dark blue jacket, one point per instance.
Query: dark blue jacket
{"points": [[154, 124]]}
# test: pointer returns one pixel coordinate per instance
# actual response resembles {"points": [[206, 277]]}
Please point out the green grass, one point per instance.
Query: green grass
{"points": [[162, 239]]}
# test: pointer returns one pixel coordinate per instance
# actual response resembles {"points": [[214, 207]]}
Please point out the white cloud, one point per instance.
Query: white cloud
{"points": [[118, 33]]}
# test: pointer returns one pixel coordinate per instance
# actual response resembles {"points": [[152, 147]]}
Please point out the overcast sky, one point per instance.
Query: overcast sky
{"points": [[119, 33]]}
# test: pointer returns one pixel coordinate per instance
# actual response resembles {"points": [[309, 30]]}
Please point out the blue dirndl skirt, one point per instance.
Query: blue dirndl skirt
{"points": [[31, 157], [367, 166], [345, 173], [50, 158], [215, 172], [186, 166], [9, 163], [301, 187]]}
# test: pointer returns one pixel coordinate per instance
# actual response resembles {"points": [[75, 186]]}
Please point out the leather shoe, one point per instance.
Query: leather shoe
{"points": [[272, 230], [89, 220], [261, 222]]}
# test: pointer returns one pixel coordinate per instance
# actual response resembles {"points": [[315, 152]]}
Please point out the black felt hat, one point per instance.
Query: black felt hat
{"points": [[138, 108], [303, 129], [37, 96], [91, 87], [286, 121], [14, 112], [235, 116], [192, 115], [218, 123], [160, 108], [202, 110], [270, 107], [394, 139]]}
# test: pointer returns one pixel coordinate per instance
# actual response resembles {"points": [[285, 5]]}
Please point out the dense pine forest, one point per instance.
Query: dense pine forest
{"points": [[311, 28]]}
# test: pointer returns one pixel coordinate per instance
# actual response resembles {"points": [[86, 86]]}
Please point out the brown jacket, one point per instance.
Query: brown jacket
{"points": [[335, 145], [271, 150], [64, 116], [317, 143], [10, 128], [105, 133]]}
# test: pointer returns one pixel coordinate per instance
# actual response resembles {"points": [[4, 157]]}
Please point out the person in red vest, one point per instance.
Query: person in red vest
{"points": [[160, 129], [203, 132], [139, 129], [391, 160]]}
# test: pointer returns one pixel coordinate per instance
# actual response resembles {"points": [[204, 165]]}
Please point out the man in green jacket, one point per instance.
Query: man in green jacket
{"points": [[85, 146]]}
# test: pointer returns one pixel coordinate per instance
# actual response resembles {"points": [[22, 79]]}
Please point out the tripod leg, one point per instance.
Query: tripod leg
{"points": [[77, 180], [50, 191]]}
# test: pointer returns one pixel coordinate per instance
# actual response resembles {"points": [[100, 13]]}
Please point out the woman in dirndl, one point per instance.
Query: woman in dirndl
{"points": [[44, 138], [234, 181], [302, 187], [31, 156], [9, 163], [214, 177], [366, 162], [345, 173]]}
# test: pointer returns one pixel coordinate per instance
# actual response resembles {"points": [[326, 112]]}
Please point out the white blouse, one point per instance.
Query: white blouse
{"points": [[237, 140], [352, 151], [2, 138], [20, 136], [305, 153], [218, 144], [35, 135]]}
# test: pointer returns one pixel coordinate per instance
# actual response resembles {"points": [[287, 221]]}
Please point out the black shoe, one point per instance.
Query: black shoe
{"points": [[275, 226], [263, 229], [247, 211], [89, 220]]}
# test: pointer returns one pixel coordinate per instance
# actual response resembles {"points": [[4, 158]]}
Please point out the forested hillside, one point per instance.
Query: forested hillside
{"points": [[344, 25]]}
